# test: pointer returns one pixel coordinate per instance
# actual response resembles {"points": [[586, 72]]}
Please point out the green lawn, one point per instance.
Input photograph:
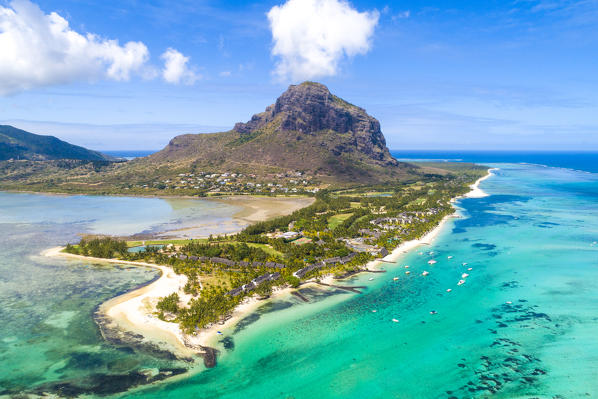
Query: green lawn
{"points": [[163, 242], [266, 248], [336, 220]]}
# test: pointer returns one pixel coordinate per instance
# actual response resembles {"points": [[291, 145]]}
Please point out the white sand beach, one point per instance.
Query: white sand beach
{"points": [[134, 311], [476, 191]]}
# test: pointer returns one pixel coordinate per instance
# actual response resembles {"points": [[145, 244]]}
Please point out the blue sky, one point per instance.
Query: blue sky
{"points": [[520, 74]]}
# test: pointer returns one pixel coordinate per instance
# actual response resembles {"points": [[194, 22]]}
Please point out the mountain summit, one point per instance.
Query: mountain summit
{"points": [[310, 109], [307, 129]]}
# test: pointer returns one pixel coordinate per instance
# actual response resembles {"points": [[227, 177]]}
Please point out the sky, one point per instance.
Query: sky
{"points": [[439, 75]]}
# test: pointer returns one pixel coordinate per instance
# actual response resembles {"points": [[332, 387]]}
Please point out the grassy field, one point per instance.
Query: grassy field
{"points": [[163, 242], [417, 202], [265, 247], [215, 279], [336, 220]]}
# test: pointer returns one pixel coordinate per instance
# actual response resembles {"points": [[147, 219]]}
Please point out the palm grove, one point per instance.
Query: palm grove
{"points": [[338, 234]]}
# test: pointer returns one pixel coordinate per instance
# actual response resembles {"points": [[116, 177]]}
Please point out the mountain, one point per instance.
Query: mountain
{"points": [[19, 144], [306, 129]]}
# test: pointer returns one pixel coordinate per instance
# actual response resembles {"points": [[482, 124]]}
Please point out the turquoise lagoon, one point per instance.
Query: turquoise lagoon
{"points": [[47, 333], [525, 323]]}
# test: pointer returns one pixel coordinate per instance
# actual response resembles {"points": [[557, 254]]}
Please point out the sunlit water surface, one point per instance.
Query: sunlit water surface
{"points": [[523, 325]]}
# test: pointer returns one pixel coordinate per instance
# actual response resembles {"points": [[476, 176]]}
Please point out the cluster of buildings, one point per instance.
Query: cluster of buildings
{"points": [[231, 263], [253, 284], [388, 223], [324, 263], [291, 182], [361, 244]]}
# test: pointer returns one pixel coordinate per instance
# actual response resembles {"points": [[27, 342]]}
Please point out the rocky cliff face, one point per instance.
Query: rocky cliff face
{"points": [[310, 109], [306, 129]]}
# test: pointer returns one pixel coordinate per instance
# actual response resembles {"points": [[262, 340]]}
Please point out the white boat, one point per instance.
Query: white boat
{"points": [[433, 312], [371, 278], [432, 262], [407, 267], [509, 302], [450, 257], [464, 275], [395, 320], [395, 278], [448, 290], [461, 282], [425, 273], [374, 311], [407, 272], [469, 269], [464, 264]]}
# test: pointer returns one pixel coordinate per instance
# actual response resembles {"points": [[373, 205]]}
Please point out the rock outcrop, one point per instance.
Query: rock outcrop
{"points": [[310, 108], [307, 129]]}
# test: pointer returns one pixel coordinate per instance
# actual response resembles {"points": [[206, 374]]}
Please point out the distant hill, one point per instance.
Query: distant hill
{"points": [[21, 145], [307, 129]]}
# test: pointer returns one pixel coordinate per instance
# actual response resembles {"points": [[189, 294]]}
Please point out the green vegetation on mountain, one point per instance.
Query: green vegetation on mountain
{"points": [[307, 129], [18, 144], [307, 140]]}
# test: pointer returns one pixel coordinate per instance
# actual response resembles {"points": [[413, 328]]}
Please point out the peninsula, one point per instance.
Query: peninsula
{"points": [[311, 144], [354, 204], [208, 284]]}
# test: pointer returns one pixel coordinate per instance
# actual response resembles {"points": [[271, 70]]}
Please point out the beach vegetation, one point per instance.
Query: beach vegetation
{"points": [[169, 303], [340, 232]]}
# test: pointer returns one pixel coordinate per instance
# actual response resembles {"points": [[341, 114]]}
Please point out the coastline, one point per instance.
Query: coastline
{"points": [[253, 209], [133, 311], [476, 191], [428, 238], [258, 209]]}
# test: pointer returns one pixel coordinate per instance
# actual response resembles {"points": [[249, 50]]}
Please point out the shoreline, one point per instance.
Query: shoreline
{"points": [[476, 191], [133, 311], [259, 209], [403, 248]]}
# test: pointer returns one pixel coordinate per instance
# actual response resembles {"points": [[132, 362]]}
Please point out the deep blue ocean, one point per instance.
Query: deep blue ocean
{"points": [[586, 161], [128, 154]]}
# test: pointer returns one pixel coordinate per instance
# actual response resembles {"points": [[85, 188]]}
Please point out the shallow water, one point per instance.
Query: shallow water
{"points": [[48, 334], [523, 325], [120, 215]]}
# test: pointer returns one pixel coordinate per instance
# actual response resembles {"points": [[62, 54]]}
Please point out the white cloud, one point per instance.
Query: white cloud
{"points": [[402, 15], [39, 49], [176, 69], [311, 37]]}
